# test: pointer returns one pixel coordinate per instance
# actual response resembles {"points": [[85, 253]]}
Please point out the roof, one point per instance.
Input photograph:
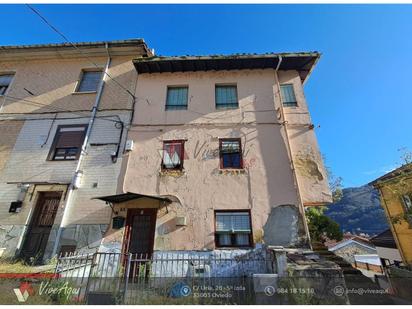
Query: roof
{"points": [[128, 196], [350, 241], [303, 62], [405, 169], [372, 259], [384, 239], [136, 47]]}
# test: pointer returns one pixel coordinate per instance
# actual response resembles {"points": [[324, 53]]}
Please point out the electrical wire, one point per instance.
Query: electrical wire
{"points": [[56, 109], [78, 49]]}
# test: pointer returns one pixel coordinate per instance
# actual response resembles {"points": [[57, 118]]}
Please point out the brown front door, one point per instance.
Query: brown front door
{"points": [[141, 224], [42, 221]]}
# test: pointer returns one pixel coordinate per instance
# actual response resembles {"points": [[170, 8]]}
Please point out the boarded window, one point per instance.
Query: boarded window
{"points": [[67, 143], [226, 96], [233, 229], [173, 155], [5, 81], [176, 98], [288, 95], [230, 153], [89, 81]]}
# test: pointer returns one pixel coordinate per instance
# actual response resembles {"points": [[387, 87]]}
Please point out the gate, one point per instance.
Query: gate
{"points": [[165, 277]]}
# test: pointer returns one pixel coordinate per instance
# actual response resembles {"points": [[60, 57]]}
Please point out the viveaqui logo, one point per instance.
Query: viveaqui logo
{"points": [[24, 291]]}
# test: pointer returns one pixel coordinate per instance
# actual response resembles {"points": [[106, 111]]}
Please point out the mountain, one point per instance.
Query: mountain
{"points": [[359, 211]]}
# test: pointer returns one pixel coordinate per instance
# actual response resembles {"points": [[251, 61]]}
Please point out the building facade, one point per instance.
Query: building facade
{"points": [[64, 113], [395, 189], [225, 156]]}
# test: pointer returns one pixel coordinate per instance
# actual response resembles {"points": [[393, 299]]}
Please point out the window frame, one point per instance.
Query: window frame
{"points": [[222, 107], [238, 139], [52, 151], [11, 82], [185, 107], [80, 79], [289, 104], [182, 158], [407, 208], [233, 235]]}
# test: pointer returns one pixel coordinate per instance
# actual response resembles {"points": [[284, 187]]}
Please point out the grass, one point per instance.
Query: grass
{"points": [[13, 266]]}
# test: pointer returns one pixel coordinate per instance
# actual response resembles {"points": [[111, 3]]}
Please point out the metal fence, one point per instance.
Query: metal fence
{"points": [[165, 277]]}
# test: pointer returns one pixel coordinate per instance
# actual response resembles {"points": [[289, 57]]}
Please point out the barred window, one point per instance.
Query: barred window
{"points": [[288, 95], [226, 96], [176, 98], [233, 229], [89, 80]]}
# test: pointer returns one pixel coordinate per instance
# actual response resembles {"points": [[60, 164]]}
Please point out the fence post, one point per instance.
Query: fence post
{"points": [[126, 276]]}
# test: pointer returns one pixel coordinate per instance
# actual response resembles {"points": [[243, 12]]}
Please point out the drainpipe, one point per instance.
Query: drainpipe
{"points": [[289, 150], [78, 172]]}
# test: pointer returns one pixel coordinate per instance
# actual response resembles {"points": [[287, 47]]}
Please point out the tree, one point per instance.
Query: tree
{"points": [[321, 226], [335, 183]]}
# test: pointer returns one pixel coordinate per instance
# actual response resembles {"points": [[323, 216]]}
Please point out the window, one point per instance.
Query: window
{"points": [[226, 96], [233, 229], [5, 81], [230, 151], [173, 155], [89, 81], [407, 205], [288, 95], [176, 98], [67, 143], [407, 202]]}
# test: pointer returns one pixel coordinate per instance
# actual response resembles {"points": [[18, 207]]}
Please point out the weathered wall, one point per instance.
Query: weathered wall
{"points": [[53, 83], [9, 132], [27, 163], [391, 193], [347, 252], [266, 181], [310, 171]]}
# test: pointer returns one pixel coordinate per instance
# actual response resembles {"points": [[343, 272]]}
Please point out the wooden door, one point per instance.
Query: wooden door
{"points": [[141, 224], [41, 224], [139, 241]]}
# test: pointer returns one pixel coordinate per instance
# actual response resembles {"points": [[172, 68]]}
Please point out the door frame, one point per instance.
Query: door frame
{"points": [[37, 208], [129, 225]]}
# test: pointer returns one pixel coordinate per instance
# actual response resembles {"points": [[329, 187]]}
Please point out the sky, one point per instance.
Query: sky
{"points": [[359, 94]]}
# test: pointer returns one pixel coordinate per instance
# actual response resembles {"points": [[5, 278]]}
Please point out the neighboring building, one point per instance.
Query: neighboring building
{"points": [[396, 195], [348, 248], [386, 248], [225, 156], [369, 264], [63, 119]]}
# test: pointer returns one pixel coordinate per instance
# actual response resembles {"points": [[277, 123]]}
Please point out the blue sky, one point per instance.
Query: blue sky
{"points": [[359, 93]]}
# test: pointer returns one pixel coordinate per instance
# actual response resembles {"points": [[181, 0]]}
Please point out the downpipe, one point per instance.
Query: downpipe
{"points": [[78, 172], [295, 178]]}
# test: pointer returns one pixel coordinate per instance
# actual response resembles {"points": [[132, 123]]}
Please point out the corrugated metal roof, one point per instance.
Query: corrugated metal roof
{"points": [[372, 259], [384, 239], [128, 196], [78, 44]]}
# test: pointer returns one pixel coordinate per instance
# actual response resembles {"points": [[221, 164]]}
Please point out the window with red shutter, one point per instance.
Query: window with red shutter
{"points": [[173, 155]]}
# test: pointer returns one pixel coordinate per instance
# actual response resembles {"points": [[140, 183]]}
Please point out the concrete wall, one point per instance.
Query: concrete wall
{"points": [[27, 163], [28, 123], [311, 173], [266, 182], [53, 82]]}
